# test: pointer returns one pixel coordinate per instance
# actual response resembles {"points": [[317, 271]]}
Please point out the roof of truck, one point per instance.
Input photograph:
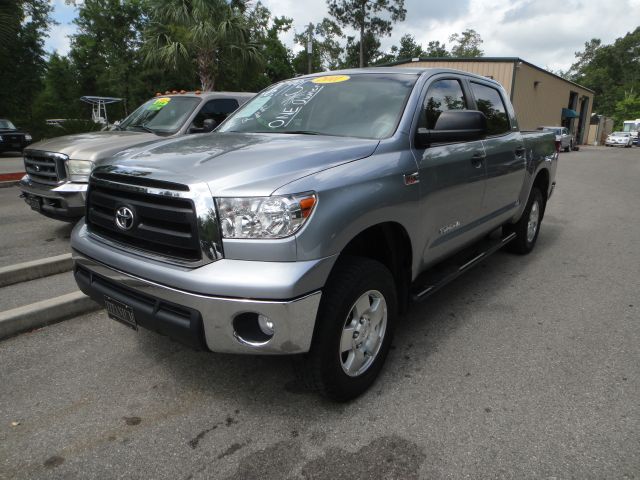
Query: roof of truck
{"points": [[402, 70], [199, 94]]}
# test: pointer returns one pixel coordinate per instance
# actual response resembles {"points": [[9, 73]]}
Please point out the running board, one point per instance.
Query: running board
{"points": [[437, 277]]}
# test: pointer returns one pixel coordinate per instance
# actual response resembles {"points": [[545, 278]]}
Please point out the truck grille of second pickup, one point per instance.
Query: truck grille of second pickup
{"points": [[44, 167], [162, 224]]}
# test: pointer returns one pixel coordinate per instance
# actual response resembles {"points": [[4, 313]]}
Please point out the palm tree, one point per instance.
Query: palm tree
{"points": [[206, 33]]}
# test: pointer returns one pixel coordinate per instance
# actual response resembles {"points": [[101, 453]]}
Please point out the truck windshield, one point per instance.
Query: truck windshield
{"points": [[361, 105], [160, 115], [631, 127], [6, 124]]}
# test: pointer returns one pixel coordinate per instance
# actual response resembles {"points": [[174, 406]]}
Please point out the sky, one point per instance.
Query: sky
{"points": [[544, 32]]}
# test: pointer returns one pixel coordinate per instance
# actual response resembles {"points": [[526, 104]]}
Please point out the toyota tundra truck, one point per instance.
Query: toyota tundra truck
{"points": [[314, 215], [57, 170]]}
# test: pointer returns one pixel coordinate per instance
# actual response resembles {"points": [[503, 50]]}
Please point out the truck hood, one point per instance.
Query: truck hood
{"points": [[95, 146], [242, 164]]}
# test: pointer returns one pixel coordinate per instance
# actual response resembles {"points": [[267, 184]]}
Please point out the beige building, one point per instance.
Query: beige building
{"points": [[538, 96]]}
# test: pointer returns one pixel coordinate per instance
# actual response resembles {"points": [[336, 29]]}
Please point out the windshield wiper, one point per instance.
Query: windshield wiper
{"points": [[301, 132], [144, 127]]}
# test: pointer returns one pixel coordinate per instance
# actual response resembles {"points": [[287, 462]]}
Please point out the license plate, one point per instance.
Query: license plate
{"points": [[120, 312], [15, 145], [35, 203]]}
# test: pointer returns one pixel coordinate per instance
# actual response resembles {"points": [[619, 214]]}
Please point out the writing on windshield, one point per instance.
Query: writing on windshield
{"points": [[361, 105]]}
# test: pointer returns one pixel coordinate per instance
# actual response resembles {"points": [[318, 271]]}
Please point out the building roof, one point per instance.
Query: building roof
{"points": [[515, 60]]}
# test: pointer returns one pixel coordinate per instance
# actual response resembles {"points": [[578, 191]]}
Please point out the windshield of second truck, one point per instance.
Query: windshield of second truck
{"points": [[160, 115], [359, 105]]}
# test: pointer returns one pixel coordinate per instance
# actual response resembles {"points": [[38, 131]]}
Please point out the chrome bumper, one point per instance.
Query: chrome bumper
{"points": [[64, 201], [293, 320]]}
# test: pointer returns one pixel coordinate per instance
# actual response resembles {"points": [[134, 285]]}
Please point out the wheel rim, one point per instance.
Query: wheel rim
{"points": [[532, 225], [363, 333]]}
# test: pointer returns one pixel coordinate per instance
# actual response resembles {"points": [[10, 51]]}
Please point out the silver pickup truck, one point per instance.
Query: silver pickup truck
{"points": [[58, 169], [314, 215]]}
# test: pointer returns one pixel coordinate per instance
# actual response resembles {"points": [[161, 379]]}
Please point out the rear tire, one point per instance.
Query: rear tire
{"points": [[528, 227], [354, 329]]}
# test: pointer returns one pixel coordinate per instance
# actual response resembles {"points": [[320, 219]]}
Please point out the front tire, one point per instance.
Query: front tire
{"points": [[528, 227], [354, 329]]}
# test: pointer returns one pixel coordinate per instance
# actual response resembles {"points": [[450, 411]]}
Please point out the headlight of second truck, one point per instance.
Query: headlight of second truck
{"points": [[79, 170], [264, 217]]}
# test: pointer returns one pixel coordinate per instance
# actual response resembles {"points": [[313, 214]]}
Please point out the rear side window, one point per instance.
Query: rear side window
{"points": [[490, 103], [442, 95]]}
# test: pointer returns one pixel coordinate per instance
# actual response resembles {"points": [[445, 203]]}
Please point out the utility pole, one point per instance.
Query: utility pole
{"points": [[362, 15], [309, 47]]}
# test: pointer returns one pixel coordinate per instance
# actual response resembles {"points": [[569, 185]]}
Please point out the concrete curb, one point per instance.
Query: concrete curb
{"points": [[10, 183], [44, 313], [31, 270]]}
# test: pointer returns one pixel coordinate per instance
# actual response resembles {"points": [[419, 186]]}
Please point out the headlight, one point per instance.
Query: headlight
{"points": [[264, 217], [28, 137], [79, 170]]}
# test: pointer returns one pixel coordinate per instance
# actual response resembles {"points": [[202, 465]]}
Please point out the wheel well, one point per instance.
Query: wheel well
{"points": [[389, 244], [542, 182]]}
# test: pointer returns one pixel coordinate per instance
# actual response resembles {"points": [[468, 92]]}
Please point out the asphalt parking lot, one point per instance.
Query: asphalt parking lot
{"points": [[526, 367], [26, 235]]}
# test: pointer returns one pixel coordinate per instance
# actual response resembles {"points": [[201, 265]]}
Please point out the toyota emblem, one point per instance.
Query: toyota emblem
{"points": [[124, 218]]}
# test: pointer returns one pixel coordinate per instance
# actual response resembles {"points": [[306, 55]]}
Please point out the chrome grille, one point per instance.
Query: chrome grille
{"points": [[165, 221], [44, 167]]}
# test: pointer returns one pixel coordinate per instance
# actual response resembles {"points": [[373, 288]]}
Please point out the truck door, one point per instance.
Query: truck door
{"points": [[452, 175], [505, 153]]}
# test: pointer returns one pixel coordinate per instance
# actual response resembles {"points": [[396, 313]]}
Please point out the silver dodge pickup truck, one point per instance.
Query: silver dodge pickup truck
{"points": [[314, 215], [58, 168]]}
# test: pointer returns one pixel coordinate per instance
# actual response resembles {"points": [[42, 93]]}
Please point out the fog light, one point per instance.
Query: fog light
{"points": [[266, 325], [252, 328]]}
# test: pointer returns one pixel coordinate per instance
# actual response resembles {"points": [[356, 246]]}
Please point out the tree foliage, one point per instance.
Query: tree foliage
{"points": [[25, 24], [206, 35], [364, 16], [326, 48], [265, 32], [466, 44], [408, 48], [435, 49], [105, 49], [367, 51], [613, 72]]}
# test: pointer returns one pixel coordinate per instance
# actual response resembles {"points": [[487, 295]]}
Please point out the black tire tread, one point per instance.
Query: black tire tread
{"points": [[311, 369], [519, 244]]}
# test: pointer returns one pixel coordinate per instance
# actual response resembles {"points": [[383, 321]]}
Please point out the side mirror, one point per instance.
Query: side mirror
{"points": [[454, 126], [209, 124]]}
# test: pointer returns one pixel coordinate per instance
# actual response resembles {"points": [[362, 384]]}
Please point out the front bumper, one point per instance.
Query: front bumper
{"points": [[13, 146], [61, 202], [200, 321]]}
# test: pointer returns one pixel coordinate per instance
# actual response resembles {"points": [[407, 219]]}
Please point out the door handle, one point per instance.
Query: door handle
{"points": [[477, 159], [520, 151]]}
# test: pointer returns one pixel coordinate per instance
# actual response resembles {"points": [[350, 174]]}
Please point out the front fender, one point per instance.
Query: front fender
{"points": [[355, 196]]}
